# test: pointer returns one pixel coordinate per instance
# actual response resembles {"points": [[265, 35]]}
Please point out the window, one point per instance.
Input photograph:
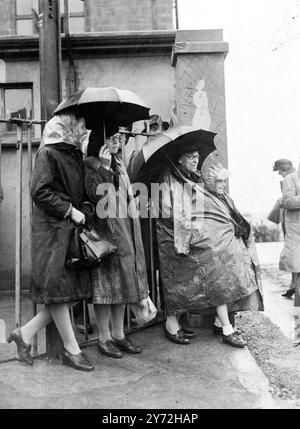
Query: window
{"points": [[27, 16], [77, 16], [15, 102]]}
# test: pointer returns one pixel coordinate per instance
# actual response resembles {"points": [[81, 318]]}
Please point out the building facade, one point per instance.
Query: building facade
{"points": [[20, 17], [177, 73]]}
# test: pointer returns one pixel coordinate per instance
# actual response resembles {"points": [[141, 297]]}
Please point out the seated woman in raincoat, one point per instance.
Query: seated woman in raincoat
{"points": [[207, 262]]}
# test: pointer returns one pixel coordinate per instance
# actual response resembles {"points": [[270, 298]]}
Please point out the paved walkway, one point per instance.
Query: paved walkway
{"points": [[204, 374]]}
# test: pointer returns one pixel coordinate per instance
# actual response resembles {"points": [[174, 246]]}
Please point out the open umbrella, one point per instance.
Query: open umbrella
{"points": [[154, 155], [110, 106]]}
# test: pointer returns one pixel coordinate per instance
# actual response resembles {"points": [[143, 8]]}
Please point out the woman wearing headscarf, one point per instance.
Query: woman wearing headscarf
{"points": [[204, 263], [121, 278], [58, 193]]}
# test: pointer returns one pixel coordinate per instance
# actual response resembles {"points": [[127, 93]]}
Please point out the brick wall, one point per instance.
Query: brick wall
{"points": [[108, 15], [7, 17], [129, 15]]}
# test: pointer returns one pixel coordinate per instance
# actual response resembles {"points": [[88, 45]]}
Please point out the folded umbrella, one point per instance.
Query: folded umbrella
{"points": [[157, 151], [110, 106]]}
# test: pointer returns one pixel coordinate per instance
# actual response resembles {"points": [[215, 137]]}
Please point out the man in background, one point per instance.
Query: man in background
{"points": [[277, 215]]}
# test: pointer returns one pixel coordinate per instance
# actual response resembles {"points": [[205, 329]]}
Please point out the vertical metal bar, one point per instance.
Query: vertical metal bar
{"points": [[128, 314], [153, 282], [29, 163], [18, 261], [86, 335], [123, 138]]}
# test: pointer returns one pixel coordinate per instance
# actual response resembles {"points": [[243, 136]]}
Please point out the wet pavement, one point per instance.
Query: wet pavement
{"points": [[280, 310], [204, 374]]}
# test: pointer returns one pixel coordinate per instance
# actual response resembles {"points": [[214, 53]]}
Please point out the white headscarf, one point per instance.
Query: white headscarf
{"points": [[62, 128], [211, 173]]}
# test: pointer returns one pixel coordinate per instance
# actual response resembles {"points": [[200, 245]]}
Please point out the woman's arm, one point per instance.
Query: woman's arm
{"points": [[43, 192], [290, 200], [94, 175]]}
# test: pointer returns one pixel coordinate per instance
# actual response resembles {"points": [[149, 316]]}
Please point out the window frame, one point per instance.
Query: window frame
{"points": [[28, 17], [8, 135], [23, 17]]}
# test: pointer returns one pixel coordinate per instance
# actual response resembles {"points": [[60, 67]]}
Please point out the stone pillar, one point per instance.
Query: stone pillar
{"points": [[198, 58]]}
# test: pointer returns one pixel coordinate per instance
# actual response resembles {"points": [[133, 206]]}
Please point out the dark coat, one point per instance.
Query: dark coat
{"points": [[121, 278], [57, 183]]}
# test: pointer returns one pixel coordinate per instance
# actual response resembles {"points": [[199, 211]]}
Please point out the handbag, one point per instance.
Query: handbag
{"points": [[87, 248], [274, 215], [144, 311]]}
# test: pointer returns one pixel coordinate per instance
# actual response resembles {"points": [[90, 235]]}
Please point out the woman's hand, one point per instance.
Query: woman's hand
{"points": [[105, 157], [77, 216]]}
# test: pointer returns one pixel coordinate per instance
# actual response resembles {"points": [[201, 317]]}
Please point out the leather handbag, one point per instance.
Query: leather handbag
{"points": [[87, 248], [274, 215]]}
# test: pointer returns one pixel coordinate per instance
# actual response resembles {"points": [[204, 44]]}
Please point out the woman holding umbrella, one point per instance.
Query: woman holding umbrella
{"points": [[121, 278], [204, 263], [58, 193]]}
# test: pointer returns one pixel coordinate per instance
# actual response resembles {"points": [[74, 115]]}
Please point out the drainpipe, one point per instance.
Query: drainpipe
{"points": [[72, 74]]}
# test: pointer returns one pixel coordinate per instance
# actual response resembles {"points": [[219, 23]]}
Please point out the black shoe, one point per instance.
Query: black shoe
{"points": [[219, 331], [177, 338], [234, 340], [109, 348], [80, 328], [22, 348], [127, 346], [78, 361], [289, 293], [186, 333]]}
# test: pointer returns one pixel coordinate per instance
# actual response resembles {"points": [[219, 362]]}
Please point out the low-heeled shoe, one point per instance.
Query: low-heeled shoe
{"points": [[289, 293], [78, 361], [109, 348], [127, 346], [23, 349], [234, 340], [187, 333], [219, 331], [177, 338]]}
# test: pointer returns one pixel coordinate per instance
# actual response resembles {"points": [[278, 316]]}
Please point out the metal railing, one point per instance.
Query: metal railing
{"points": [[19, 203], [24, 126]]}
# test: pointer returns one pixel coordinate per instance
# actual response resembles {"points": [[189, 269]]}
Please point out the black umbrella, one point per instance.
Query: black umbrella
{"points": [[110, 106], [154, 156]]}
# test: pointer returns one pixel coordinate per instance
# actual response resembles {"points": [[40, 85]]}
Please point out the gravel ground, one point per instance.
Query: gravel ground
{"points": [[274, 352]]}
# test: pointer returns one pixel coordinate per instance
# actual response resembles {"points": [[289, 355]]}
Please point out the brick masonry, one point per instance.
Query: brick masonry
{"points": [[108, 15]]}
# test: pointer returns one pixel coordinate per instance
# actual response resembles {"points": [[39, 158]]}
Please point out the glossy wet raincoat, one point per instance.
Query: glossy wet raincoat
{"points": [[57, 183], [203, 264]]}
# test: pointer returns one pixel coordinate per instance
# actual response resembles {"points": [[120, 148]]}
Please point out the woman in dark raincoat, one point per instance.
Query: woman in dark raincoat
{"points": [[58, 192], [121, 278], [205, 264]]}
